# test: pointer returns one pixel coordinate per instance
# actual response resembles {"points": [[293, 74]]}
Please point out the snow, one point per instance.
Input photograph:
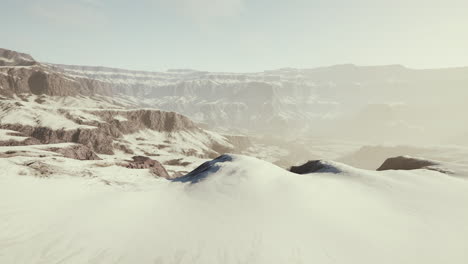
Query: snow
{"points": [[120, 118], [6, 135], [55, 112], [6, 59], [247, 211], [35, 116]]}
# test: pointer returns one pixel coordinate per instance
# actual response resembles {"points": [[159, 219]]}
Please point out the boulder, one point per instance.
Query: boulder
{"points": [[155, 167]]}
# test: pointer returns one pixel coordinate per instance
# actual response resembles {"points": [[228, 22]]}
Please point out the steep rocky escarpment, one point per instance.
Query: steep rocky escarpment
{"points": [[13, 58], [139, 131], [130, 121], [20, 73], [96, 139], [39, 79]]}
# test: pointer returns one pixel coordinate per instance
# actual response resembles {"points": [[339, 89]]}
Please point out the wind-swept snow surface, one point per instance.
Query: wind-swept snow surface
{"points": [[243, 210]]}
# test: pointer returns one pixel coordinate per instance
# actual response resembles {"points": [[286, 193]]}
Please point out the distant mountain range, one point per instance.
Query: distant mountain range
{"points": [[387, 101]]}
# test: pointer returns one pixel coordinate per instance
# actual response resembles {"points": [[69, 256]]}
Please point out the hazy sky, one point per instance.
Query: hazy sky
{"points": [[238, 35]]}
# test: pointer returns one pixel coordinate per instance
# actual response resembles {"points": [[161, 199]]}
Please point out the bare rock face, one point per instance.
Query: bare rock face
{"points": [[39, 79], [142, 162], [95, 139], [406, 163], [104, 136], [13, 58], [312, 166], [143, 119], [22, 74], [78, 151], [308, 167]]}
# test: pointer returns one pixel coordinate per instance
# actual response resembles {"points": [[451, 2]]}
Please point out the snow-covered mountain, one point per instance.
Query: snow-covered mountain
{"points": [[45, 108], [399, 103]]}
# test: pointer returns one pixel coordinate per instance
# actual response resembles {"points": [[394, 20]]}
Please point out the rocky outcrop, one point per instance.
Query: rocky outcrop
{"points": [[312, 166], [406, 163], [42, 169], [202, 171], [308, 167], [103, 130], [130, 121], [177, 162], [96, 139], [77, 151], [39, 79], [22, 74], [13, 58], [142, 162]]}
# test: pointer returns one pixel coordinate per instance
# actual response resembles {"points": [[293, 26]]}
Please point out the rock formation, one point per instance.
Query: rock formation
{"points": [[312, 166], [76, 151], [22, 74], [13, 58], [308, 167], [155, 167], [406, 163], [204, 169]]}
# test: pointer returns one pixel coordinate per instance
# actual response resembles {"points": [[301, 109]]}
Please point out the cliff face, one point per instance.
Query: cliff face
{"points": [[131, 121], [13, 58], [139, 131], [309, 101], [20, 73]]}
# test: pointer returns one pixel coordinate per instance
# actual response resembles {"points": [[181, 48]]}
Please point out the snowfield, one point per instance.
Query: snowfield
{"points": [[243, 210]]}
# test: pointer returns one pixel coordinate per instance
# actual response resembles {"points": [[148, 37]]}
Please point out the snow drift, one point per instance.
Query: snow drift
{"points": [[242, 210]]}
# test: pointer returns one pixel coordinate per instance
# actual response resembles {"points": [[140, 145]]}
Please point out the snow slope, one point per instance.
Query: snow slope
{"points": [[244, 210]]}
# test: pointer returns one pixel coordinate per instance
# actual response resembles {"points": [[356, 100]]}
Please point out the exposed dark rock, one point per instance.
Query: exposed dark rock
{"points": [[308, 167], [371, 157], [142, 162], [177, 162], [406, 163], [314, 166], [202, 171], [78, 151]]}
